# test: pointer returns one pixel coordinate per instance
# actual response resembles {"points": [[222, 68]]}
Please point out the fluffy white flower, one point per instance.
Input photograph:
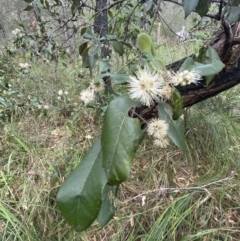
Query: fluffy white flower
{"points": [[87, 96], [24, 65], [162, 143], [46, 107], [147, 87], [60, 92], [157, 128], [65, 93], [16, 31], [88, 137], [186, 78]]}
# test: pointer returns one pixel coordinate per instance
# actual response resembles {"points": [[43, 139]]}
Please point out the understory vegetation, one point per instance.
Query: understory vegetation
{"points": [[46, 130]]}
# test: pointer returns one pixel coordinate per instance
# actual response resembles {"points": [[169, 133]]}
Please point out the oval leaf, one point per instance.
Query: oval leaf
{"points": [[176, 128], [189, 6], [144, 43], [80, 196], [117, 46], [177, 104], [108, 208], [203, 7], [119, 138]]}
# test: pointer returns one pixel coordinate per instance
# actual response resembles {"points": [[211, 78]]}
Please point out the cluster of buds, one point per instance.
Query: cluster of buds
{"points": [[24, 65]]}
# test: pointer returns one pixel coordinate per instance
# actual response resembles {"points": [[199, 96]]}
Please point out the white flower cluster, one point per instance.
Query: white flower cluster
{"points": [[61, 93], [186, 78], [148, 86], [16, 31], [88, 95], [24, 65], [46, 107], [158, 129]]}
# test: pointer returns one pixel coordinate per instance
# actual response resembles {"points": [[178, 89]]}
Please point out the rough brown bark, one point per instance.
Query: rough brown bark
{"points": [[229, 53]]}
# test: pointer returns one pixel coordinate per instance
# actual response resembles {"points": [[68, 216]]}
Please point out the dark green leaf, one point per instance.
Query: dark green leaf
{"points": [[28, 1], [117, 46], [80, 196], [189, 6], [104, 65], [232, 14], [75, 6], [119, 138], [92, 59], [85, 58], [110, 14], [28, 8], [120, 79], [149, 5], [177, 104], [203, 7], [82, 47], [236, 2], [176, 128], [88, 34], [83, 30], [108, 208]]}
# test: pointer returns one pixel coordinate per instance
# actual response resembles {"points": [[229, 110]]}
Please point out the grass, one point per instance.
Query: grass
{"points": [[169, 196]]}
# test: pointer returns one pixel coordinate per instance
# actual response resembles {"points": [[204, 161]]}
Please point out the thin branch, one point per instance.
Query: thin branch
{"points": [[168, 189]]}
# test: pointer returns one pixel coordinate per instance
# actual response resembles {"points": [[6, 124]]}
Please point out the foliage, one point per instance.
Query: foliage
{"points": [[120, 133], [89, 193]]}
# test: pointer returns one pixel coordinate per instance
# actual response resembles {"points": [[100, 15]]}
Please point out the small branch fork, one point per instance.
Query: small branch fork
{"points": [[168, 189]]}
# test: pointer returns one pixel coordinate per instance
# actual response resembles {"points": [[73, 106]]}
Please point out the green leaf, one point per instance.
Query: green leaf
{"points": [[212, 65], [144, 43], [120, 79], [75, 6], [155, 62], [82, 47], [119, 138], [108, 208], [209, 79], [203, 7], [28, 8], [177, 104], [92, 58], [104, 65], [85, 58], [149, 5], [88, 34], [117, 46], [80, 196], [232, 14], [187, 64], [176, 128], [189, 6], [28, 1], [235, 2]]}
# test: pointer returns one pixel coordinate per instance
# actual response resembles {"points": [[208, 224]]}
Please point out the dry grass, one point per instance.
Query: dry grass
{"points": [[165, 197]]}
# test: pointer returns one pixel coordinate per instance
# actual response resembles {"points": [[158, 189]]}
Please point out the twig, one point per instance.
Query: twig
{"points": [[164, 189]]}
